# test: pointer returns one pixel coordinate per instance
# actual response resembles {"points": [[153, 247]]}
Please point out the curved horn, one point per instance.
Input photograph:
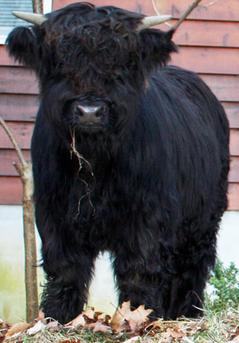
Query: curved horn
{"points": [[152, 21], [33, 18]]}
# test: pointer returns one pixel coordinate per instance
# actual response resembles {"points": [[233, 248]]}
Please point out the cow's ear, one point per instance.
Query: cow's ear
{"points": [[156, 47], [22, 45]]}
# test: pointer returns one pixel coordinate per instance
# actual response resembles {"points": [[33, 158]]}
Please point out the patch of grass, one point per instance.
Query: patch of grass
{"points": [[70, 336], [224, 285], [220, 326]]}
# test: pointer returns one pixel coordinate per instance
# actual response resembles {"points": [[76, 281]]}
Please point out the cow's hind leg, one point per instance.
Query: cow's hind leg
{"points": [[138, 281], [192, 259], [65, 293]]}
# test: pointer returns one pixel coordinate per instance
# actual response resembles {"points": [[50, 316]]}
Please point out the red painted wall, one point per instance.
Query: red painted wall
{"points": [[208, 43]]}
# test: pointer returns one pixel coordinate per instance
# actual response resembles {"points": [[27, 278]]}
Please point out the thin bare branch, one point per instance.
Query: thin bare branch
{"points": [[212, 3], [185, 14], [18, 168], [158, 13], [13, 141], [155, 8]]}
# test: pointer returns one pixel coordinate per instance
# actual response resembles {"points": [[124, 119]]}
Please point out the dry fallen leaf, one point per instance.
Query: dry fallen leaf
{"points": [[90, 319], [118, 322], [77, 321], [132, 339], [99, 327], [138, 318], [53, 326], [165, 337], [176, 332], [90, 313], [235, 340], [157, 324], [124, 318], [17, 328], [36, 328], [104, 318], [3, 330]]}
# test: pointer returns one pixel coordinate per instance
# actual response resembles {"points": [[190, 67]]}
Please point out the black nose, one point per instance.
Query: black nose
{"points": [[88, 114]]}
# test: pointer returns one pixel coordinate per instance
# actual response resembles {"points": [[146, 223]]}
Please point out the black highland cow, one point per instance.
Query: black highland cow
{"points": [[129, 155]]}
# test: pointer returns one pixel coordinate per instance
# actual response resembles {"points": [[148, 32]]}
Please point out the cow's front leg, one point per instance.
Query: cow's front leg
{"points": [[67, 262], [138, 279], [66, 292]]}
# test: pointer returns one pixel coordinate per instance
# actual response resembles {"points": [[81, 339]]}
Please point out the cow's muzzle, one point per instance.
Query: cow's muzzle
{"points": [[90, 116]]}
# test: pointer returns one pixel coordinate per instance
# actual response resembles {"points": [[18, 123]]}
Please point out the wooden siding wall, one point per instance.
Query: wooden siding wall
{"points": [[209, 45]]}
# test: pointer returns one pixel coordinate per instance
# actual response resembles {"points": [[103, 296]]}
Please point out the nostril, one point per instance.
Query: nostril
{"points": [[78, 111], [98, 113]]}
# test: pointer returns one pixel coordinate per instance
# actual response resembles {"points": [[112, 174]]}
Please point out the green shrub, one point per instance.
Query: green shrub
{"points": [[224, 285]]}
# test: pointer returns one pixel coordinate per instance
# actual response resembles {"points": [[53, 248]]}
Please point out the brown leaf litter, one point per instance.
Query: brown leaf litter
{"points": [[126, 325]]}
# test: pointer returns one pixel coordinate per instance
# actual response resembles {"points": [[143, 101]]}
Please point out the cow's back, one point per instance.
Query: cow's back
{"points": [[191, 132]]}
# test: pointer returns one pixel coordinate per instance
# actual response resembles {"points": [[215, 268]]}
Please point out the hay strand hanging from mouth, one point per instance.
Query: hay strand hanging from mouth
{"points": [[82, 160]]}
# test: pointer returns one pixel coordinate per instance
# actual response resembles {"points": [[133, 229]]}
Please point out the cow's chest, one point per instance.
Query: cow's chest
{"points": [[101, 208]]}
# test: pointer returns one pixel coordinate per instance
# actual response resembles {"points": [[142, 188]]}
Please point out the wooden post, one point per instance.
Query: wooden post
{"points": [[24, 169]]}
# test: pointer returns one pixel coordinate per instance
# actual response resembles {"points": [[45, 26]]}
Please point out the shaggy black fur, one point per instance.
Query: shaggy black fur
{"points": [[150, 182]]}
